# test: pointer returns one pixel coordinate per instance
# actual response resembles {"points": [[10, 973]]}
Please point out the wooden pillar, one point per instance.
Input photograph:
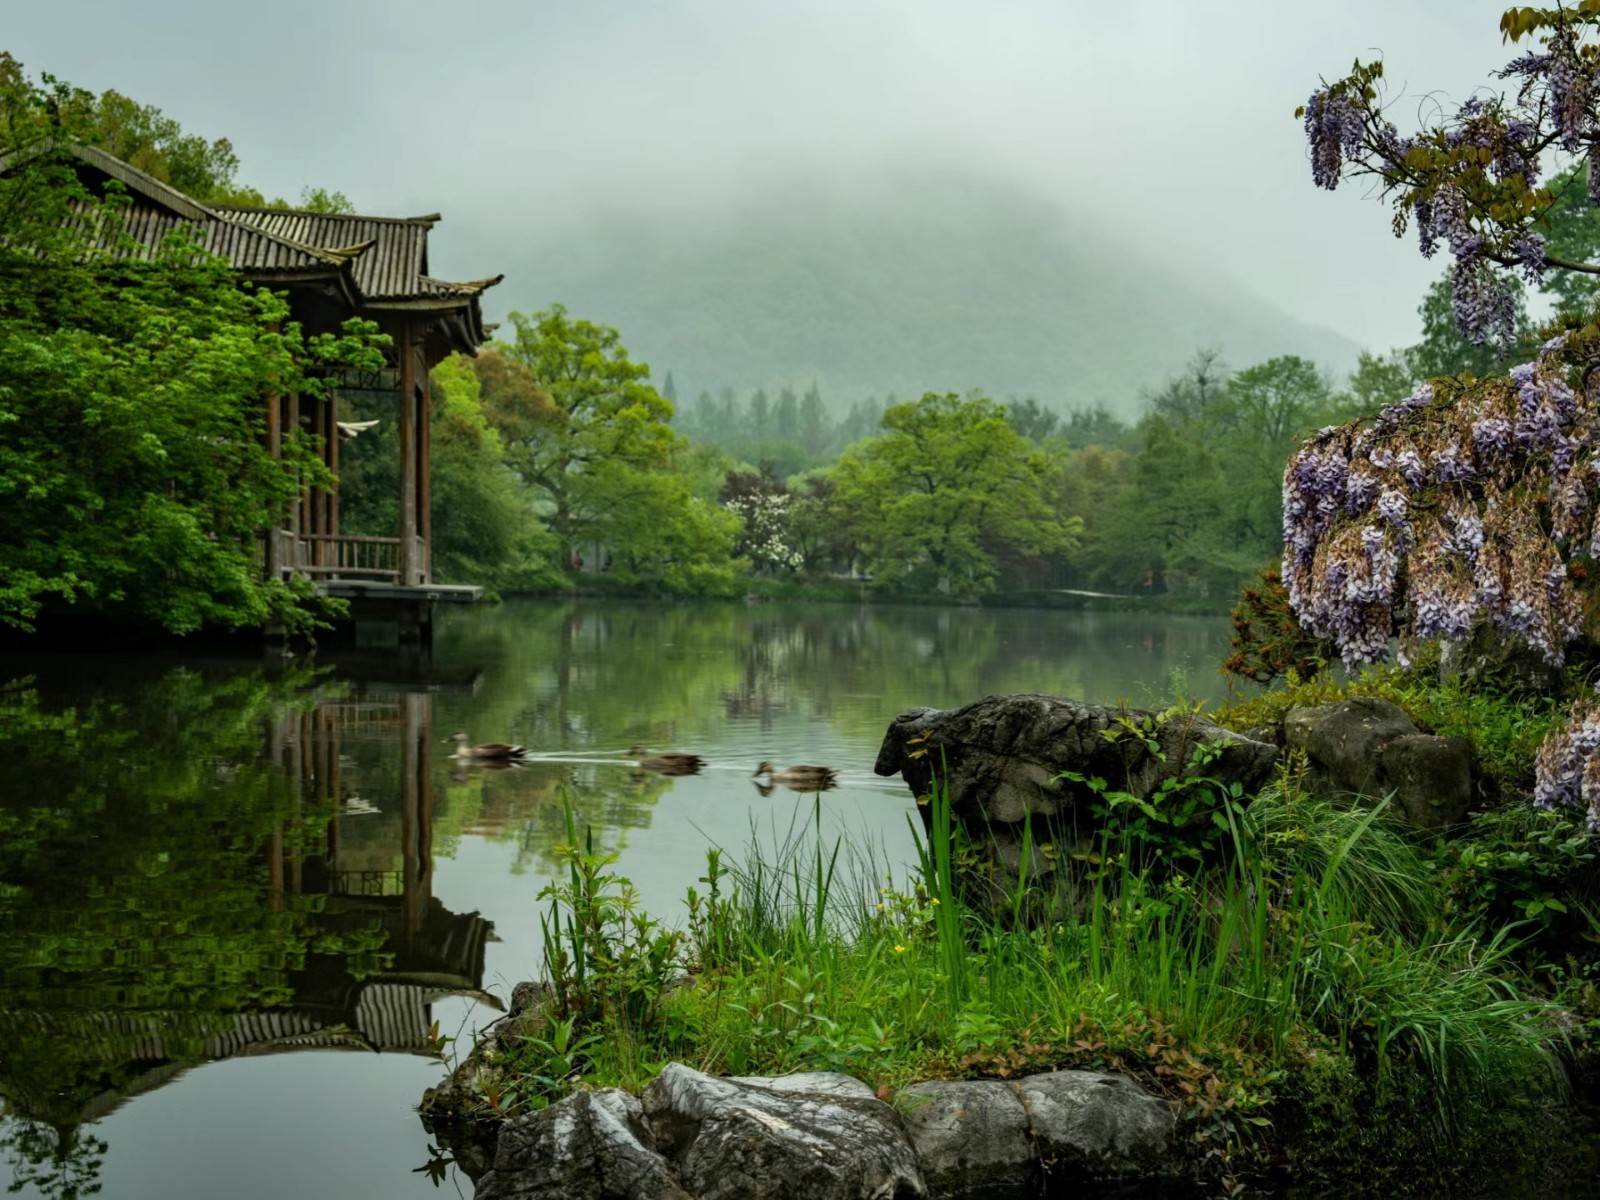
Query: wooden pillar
{"points": [[270, 561], [408, 451], [333, 465], [291, 423], [330, 447], [424, 472]]}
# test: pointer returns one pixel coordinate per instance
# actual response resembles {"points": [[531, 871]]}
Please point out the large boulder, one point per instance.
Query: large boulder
{"points": [[1002, 760], [590, 1146], [742, 1141], [1367, 746], [990, 1140], [972, 1138]]}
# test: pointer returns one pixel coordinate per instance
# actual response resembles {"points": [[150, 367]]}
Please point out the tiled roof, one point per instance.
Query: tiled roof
{"points": [[394, 267], [381, 260]]}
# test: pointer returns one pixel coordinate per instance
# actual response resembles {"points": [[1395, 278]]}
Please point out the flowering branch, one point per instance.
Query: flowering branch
{"points": [[1473, 181]]}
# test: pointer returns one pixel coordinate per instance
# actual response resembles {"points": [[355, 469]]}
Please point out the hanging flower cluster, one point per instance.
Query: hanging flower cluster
{"points": [[1473, 181], [1568, 767], [1467, 502]]}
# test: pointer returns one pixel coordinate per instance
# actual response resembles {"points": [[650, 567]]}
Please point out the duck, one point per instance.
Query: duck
{"points": [[799, 778], [668, 762], [488, 752]]}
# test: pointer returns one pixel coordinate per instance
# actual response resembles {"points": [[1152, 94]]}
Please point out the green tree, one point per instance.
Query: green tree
{"points": [[786, 414], [1198, 510], [1379, 380], [759, 421], [948, 485], [134, 475], [1032, 420], [606, 419], [484, 527], [591, 439], [813, 421]]}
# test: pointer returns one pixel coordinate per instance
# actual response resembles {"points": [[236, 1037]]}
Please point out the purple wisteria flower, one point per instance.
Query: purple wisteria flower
{"points": [[1567, 767], [1491, 436], [1528, 249], [1334, 127], [1569, 96], [1485, 306]]}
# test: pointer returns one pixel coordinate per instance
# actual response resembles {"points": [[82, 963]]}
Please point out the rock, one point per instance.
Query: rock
{"points": [[1344, 740], [988, 1140], [1002, 759], [972, 1138], [1366, 746], [1097, 1125], [1002, 756], [1431, 778], [824, 1136], [590, 1146], [825, 1083], [739, 1141]]}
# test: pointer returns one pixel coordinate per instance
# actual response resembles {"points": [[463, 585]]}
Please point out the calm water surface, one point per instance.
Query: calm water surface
{"points": [[234, 897]]}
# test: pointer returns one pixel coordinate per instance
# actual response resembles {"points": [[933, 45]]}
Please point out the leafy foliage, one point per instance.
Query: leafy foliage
{"points": [[948, 485], [1268, 643], [133, 468]]}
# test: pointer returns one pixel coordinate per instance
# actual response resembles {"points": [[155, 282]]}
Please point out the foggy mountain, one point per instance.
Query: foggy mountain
{"points": [[907, 285]]}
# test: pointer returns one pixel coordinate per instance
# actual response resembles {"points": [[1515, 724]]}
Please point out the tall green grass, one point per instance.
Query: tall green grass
{"points": [[1313, 940]]}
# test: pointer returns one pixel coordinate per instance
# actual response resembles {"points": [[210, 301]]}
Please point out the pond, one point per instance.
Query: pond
{"points": [[238, 898]]}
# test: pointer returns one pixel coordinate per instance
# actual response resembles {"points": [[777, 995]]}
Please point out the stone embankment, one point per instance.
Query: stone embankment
{"points": [[824, 1136]]}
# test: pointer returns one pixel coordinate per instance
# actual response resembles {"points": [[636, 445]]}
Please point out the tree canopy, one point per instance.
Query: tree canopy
{"points": [[948, 485]]}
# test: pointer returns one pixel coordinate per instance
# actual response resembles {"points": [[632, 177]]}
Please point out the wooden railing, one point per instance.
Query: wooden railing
{"points": [[337, 556]]}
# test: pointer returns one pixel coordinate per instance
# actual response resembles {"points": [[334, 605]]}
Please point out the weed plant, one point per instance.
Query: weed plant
{"points": [[1301, 972]]}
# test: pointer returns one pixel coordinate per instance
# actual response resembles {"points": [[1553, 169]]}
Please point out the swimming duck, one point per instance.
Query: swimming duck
{"points": [[489, 752], [668, 762], [799, 778]]}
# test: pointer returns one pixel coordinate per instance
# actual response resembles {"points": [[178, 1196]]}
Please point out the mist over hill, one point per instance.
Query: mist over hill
{"points": [[902, 285]]}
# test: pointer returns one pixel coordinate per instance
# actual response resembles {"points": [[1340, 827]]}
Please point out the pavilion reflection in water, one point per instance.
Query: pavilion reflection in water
{"points": [[356, 760]]}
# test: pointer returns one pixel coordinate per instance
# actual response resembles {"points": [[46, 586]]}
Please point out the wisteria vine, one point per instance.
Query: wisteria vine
{"points": [[1473, 182], [1469, 502]]}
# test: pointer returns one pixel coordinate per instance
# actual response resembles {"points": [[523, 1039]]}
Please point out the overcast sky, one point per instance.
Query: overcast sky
{"points": [[1168, 124]]}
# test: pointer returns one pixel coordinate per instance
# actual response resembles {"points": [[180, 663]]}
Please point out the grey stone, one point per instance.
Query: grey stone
{"points": [[1002, 759], [590, 1146], [824, 1083], [972, 1138], [737, 1140], [1344, 739], [1369, 747], [988, 1140], [1002, 756], [1099, 1125], [1431, 778]]}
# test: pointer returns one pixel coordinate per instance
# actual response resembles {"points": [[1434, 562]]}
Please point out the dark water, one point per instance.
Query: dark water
{"points": [[234, 897]]}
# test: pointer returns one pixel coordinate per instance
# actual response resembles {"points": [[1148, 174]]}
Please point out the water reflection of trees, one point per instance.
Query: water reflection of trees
{"points": [[586, 677], [183, 877]]}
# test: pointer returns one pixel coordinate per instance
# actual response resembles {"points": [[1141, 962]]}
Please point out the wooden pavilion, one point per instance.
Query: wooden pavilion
{"points": [[333, 267]]}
